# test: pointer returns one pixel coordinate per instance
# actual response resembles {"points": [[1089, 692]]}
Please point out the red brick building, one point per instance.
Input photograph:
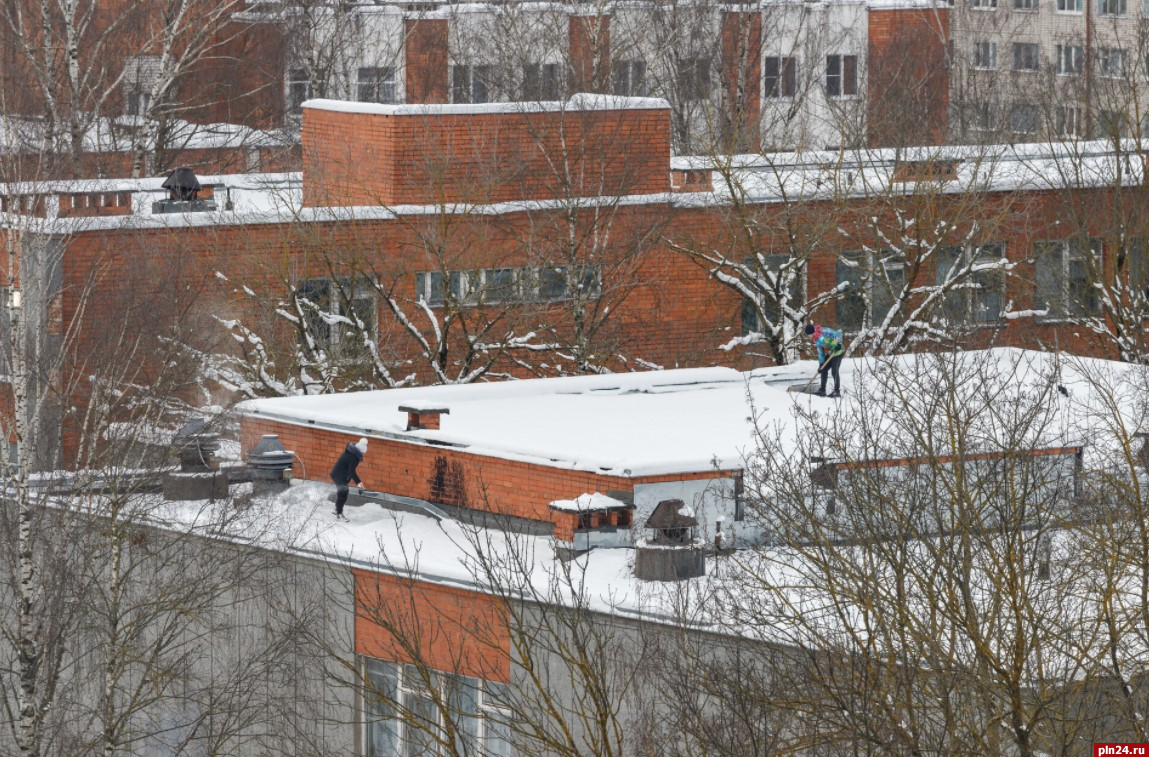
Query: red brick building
{"points": [[478, 241]]}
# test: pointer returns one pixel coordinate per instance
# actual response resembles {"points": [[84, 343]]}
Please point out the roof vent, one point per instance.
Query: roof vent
{"points": [[198, 477], [421, 415], [183, 194], [671, 552]]}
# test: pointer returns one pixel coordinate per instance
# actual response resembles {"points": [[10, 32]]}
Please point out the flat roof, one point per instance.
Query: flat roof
{"points": [[673, 421]]}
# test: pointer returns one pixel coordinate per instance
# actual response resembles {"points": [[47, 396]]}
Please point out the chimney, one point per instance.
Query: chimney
{"points": [[423, 416]]}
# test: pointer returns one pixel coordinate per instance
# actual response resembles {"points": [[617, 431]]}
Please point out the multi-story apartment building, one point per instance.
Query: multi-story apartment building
{"points": [[1026, 70]]}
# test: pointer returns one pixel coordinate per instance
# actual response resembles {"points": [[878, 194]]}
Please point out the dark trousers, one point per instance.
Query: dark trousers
{"points": [[341, 491], [831, 365]]}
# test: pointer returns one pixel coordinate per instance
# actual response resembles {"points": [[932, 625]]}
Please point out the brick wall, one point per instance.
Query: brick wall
{"points": [[408, 156], [438, 627], [742, 79], [452, 477], [908, 77], [426, 73], [589, 40]]}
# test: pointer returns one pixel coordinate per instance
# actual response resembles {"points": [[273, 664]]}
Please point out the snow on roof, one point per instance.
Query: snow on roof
{"points": [[660, 422], [576, 103], [586, 503]]}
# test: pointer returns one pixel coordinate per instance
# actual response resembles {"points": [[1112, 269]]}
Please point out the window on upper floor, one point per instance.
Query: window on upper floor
{"points": [[140, 75], [983, 116], [491, 286], [1070, 121], [977, 295], [1064, 272], [407, 710], [470, 83], [872, 282], [541, 81], [983, 5], [693, 78], [985, 54], [1070, 59], [628, 78], [1026, 56], [1111, 62], [377, 85], [1025, 5], [298, 90], [1111, 7], [1023, 118], [1112, 124], [339, 315], [841, 75], [780, 76], [791, 292], [1070, 6]]}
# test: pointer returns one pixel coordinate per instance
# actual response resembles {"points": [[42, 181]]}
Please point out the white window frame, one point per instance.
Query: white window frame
{"points": [[987, 5], [985, 55], [979, 286], [1112, 7], [870, 277], [841, 76], [1068, 252], [1070, 60], [783, 84], [1070, 6], [487, 732], [471, 83], [542, 81], [334, 340], [296, 78], [376, 84], [1070, 121], [1111, 62], [693, 77], [1021, 52], [1032, 118], [1025, 6], [628, 78]]}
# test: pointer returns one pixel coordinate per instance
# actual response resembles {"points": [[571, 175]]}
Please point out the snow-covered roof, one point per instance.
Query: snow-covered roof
{"points": [[576, 103], [668, 422]]}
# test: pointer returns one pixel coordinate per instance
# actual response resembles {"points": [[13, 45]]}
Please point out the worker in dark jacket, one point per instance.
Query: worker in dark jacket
{"points": [[344, 473]]}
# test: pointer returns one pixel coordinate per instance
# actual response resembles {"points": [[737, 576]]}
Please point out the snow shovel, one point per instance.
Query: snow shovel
{"points": [[805, 388]]}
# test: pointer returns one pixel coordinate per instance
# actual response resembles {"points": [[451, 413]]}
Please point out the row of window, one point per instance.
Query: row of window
{"points": [[403, 717], [475, 83], [489, 286], [1064, 121], [1104, 7], [1069, 60], [1063, 272]]}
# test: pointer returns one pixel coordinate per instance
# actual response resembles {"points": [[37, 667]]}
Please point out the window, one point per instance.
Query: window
{"points": [[781, 77], [541, 81], [1026, 56], [402, 717], [377, 85], [985, 54], [1135, 263], [298, 90], [983, 116], [1063, 276], [983, 5], [1023, 118], [1070, 121], [1070, 59], [792, 293], [1111, 7], [555, 283], [508, 285], [628, 78], [1112, 124], [841, 75], [977, 296], [872, 283], [338, 315], [140, 75], [470, 84], [1111, 62], [1070, 6], [1025, 5], [694, 78]]}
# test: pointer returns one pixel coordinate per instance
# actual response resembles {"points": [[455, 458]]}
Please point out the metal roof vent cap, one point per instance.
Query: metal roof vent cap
{"points": [[270, 455], [182, 184], [672, 552], [196, 446]]}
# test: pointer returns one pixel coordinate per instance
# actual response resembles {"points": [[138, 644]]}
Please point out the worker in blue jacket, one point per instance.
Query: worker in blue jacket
{"points": [[830, 350]]}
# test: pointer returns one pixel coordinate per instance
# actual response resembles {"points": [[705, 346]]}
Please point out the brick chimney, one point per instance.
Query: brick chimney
{"points": [[589, 40], [423, 416], [425, 59]]}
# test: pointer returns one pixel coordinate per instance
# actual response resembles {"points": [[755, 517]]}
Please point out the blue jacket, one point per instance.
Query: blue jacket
{"points": [[829, 344]]}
